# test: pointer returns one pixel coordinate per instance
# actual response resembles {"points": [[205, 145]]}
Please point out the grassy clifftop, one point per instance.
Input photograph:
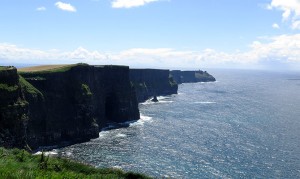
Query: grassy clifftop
{"points": [[46, 68], [17, 163], [6, 67]]}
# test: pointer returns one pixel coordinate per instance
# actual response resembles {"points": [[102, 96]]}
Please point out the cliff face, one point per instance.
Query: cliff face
{"points": [[191, 76], [13, 109], [152, 82], [72, 104]]}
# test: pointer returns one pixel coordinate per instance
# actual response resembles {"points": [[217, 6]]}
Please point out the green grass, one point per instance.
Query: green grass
{"points": [[86, 90], [17, 163], [6, 67], [8, 88], [29, 88]]}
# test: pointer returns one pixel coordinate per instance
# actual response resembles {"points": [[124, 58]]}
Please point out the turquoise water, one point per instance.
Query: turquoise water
{"points": [[245, 125]]}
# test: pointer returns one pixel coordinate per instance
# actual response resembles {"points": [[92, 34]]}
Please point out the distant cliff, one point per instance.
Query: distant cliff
{"points": [[67, 105], [191, 76], [152, 82]]}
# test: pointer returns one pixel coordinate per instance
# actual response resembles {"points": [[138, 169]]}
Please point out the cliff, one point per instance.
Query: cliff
{"points": [[13, 109], [67, 105], [152, 82], [191, 76]]}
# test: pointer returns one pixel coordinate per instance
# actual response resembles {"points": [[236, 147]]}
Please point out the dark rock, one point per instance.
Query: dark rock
{"points": [[152, 82], [191, 76], [154, 99], [13, 109], [72, 104], [65, 107]]}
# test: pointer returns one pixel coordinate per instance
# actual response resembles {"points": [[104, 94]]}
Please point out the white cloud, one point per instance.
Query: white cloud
{"points": [[42, 8], [290, 10], [16, 54], [65, 6], [296, 25], [130, 3], [275, 26], [284, 49]]}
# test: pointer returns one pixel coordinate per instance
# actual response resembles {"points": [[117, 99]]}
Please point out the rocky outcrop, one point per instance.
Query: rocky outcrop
{"points": [[66, 106], [191, 76], [13, 109], [152, 82]]}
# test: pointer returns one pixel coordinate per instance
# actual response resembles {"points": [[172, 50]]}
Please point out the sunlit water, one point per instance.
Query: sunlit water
{"points": [[245, 125]]}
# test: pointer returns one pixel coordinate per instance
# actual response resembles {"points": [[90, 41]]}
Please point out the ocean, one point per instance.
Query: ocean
{"points": [[245, 125]]}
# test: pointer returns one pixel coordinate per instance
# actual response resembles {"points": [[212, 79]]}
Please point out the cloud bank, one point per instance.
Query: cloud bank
{"points": [[65, 6], [130, 3], [283, 50]]}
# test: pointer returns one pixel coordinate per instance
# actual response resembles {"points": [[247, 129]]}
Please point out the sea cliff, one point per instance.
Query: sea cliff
{"points": [[191, 76], [152, 82], [67, 104], [63, 106]]}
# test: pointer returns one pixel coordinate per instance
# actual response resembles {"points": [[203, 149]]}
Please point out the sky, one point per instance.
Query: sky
{"points": [[247, 34]]}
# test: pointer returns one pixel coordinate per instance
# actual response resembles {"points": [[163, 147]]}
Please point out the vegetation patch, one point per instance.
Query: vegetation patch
{"points": [[29, 88], [8, 88], [6, 67], [17, 163], [86, 90]]}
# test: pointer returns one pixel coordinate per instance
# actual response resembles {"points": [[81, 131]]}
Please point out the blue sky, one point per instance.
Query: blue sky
{"points": [[152, 33]]}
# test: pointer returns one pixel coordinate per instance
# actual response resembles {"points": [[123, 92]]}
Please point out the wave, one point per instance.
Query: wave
{"points": [[53, 152], [121, 135], [205, 102], [165, 102], [147, 102], [117, 167], [161, 99], [145, 118], [213, 81], [103, 134], [141, 121]]}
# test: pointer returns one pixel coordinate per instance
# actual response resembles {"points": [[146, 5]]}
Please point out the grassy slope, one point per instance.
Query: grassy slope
{"points": [[17, 163], [5, 67], [43, 68], [28, 87]]}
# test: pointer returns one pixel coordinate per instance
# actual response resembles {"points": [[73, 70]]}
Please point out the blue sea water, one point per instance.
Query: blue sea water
{"points": [[245, 125]]}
